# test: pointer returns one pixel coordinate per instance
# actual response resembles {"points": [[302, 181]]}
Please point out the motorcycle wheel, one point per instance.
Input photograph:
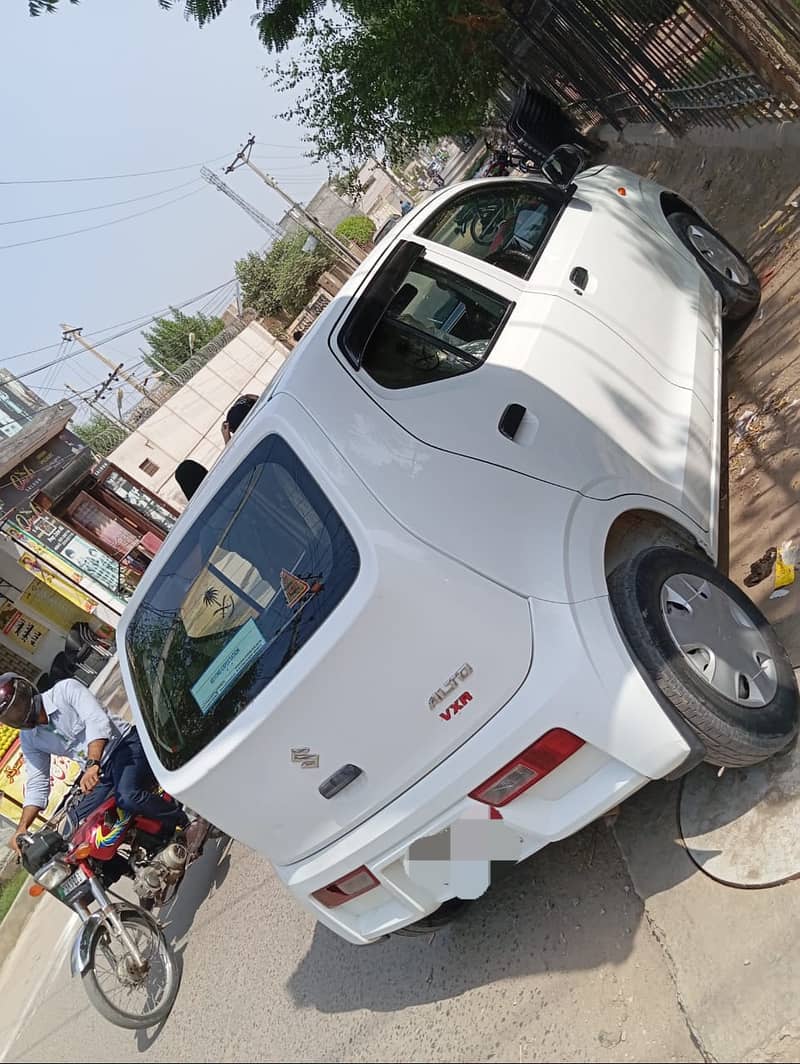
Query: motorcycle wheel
{"points": [[121, 994], [482, 233]]}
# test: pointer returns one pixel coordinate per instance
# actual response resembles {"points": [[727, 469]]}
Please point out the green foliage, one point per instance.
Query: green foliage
{"points": [[282, 280], [346, 184], [359, 229], [100, 433], [400, 72], [173, 339]]}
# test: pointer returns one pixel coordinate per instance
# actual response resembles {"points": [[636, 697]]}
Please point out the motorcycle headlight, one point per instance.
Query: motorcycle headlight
{"points": [[52, 874]]}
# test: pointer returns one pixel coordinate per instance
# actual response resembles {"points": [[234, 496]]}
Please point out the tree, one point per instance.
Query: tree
{"points": [[359, 229], [174, 339], [281, 281], [347, 185], [362, 86], [100, 433]]}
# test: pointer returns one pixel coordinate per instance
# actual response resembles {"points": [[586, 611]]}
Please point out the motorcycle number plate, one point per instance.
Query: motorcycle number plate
{"points": [[72, 882]]}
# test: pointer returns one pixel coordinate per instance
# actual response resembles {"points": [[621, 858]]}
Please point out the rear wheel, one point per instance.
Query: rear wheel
{"points": [[729, 272], [447, 912], [709, 651]]}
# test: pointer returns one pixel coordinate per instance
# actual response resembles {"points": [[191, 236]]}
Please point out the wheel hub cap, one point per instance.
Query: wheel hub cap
{"points": [[717, 255], [718, 640]]}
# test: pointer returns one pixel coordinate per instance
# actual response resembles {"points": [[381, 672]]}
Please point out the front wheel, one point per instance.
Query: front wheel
{"points": [[125, 993], [729, 272], [705, 648]]}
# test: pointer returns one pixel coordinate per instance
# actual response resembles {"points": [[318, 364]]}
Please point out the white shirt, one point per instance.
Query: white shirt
{"points": [[74, 719]]}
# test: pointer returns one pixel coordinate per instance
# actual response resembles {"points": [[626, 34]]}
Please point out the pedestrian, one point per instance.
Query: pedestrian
{"points": [[189, 475], [236, 415]]}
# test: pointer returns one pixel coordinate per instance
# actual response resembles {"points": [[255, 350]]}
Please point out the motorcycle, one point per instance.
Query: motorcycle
{"points": [[120, 950], [503, 160]]}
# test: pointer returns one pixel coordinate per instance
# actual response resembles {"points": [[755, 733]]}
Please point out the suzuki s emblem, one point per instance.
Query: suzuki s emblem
{"points": [[301, 755], [442, 694]]}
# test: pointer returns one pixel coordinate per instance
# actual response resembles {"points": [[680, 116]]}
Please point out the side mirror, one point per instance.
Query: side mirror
{"points": [[562, 166]]}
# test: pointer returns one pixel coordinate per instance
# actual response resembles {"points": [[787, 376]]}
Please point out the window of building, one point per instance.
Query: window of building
{"points": [[149, 467]]}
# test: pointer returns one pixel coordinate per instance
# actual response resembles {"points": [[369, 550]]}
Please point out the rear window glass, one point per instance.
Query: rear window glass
{"points": [[260, 570]]}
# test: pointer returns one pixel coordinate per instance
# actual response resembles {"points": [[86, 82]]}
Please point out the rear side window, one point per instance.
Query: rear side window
{"points": [[260, 570], [420, 323], [505, 225]]}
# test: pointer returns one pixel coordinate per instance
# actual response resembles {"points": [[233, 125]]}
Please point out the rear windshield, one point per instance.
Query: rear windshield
{"points": [[259, 571]]}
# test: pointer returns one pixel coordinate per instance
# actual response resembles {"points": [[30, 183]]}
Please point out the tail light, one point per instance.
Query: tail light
{"points": [[528, 768], [353, 885]]}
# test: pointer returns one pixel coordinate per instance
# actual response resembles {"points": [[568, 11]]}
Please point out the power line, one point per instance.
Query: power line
{"points": [[141, 322], [102, 225], [110, 177], [101, 206]]}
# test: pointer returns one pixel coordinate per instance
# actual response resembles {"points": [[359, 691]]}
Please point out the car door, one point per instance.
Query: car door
{"points": [[473, 358]]}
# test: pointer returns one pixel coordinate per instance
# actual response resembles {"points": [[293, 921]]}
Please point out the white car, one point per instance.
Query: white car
{"points": [[450, 593]]}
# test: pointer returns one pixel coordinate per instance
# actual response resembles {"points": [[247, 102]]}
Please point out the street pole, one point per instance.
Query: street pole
{"points": [[70, 332], [102, 411], [242, 158]]}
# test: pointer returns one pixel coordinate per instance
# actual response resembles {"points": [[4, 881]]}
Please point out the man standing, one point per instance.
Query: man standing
{"points": [[68, 721]]}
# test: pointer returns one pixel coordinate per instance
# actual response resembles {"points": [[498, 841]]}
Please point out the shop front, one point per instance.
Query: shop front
{"points": [[76, 534]]}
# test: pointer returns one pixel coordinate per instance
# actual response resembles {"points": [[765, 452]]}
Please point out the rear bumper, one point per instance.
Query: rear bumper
{"points": [[434, 842]]}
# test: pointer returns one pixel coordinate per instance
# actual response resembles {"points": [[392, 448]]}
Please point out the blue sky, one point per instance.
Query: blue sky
{"points": [[114, 88]]}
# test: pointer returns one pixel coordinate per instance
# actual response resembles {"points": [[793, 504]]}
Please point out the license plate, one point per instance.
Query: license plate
{"points": [[72, 882]]}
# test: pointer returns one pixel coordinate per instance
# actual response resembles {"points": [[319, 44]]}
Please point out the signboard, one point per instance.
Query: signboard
{"points": [[21, 485], [12, 780], [20, 629], [18, 404], [57, 582], [48, 603], [45, 534]]}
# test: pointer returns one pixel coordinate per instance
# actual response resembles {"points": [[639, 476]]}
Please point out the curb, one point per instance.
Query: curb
{"points": [[763, 136], [22, 908]]}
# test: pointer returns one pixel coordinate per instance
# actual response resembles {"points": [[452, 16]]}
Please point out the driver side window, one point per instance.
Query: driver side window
{"points": [[505, 225]]}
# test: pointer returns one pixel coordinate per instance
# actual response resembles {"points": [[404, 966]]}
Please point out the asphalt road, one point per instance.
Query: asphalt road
{"points": [[556, 962]]}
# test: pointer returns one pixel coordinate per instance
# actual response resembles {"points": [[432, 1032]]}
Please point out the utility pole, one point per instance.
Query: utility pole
{"points": [[103, 412], [70, 332], [242, 158]]}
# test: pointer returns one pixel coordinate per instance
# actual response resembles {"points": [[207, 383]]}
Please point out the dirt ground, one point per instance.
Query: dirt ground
{"points": [[752, 194]]}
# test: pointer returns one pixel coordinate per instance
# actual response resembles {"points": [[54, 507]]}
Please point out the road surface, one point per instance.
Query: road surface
{"points": [[556, 963]]}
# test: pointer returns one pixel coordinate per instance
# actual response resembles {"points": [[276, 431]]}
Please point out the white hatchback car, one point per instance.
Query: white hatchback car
{"points": [[450, 593]]}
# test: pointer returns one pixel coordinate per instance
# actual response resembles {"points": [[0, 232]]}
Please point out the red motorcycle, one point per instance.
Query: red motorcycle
{"points": [[127, 966]]}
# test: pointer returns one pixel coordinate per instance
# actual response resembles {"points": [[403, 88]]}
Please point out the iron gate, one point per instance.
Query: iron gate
{"points": [[643, 61]]}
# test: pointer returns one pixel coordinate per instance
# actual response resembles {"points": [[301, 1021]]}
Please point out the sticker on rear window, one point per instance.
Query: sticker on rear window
{"points": [[226, 668], [293, 587]]}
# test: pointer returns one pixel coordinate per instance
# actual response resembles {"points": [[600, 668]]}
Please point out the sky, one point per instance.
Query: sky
{"points": [[111, 88]]}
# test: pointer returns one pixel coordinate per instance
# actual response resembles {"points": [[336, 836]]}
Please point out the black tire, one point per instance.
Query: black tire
{"points": [[481, 233], [107, 1008], [739, 301], [447, 912], [734, 735]]}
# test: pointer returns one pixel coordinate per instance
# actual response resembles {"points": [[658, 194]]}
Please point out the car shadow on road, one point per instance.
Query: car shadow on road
{"points": [[204, 877], [572, 907], [576, 905]]}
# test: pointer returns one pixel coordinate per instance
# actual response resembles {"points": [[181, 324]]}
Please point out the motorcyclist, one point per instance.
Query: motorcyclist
{"points": [[68, 721]]}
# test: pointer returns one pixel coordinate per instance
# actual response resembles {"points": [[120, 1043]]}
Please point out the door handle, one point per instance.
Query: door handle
{"points": [[511, 420], [580, 278]]}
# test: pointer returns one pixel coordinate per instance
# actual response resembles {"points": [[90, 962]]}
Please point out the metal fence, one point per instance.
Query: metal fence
{"points": [[649, 60]]}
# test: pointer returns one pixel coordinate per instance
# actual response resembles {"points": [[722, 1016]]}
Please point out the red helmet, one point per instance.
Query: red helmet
{"points": [[18, 701]]}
